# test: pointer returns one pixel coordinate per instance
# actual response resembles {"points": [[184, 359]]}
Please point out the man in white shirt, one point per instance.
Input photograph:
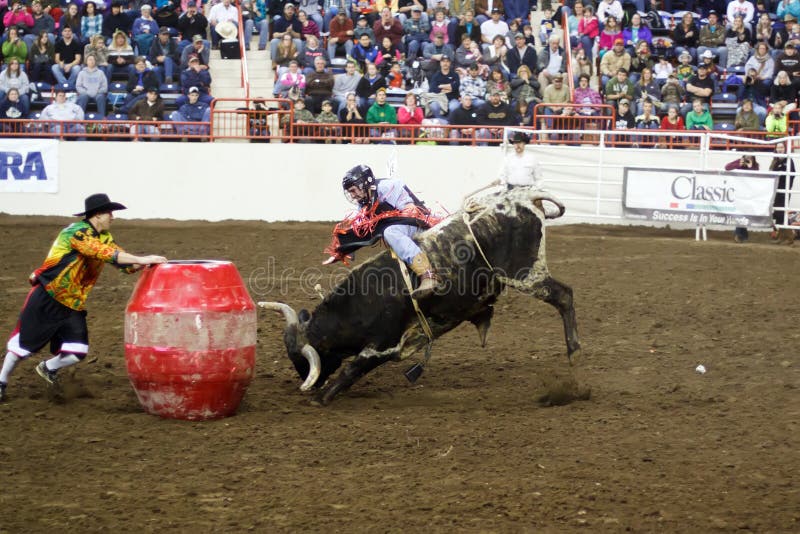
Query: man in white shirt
{"points": [[493, 26], [520, 168], [222, 12], [743, 8], [609, 7]]}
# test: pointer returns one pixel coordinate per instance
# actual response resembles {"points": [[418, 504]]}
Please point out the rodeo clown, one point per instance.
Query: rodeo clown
{"points": [[389, 210], [54, 309]]}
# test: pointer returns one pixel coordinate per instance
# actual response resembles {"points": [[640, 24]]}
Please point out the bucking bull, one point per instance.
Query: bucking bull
{"points": [[497, 241]]}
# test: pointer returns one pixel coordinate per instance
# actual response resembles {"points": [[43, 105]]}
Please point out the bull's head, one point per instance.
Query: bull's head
{"points": [[293, 337]]}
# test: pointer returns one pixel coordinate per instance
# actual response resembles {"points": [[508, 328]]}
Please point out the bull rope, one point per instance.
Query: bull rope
{"points": [[423, 322]]}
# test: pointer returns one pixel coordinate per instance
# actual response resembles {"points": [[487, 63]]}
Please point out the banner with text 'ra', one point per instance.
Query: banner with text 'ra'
{"points": [[28, 166]]}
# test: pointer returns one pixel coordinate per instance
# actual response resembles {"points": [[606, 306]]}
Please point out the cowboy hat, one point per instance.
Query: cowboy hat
{"points": [[226, 29], [99, 203]]}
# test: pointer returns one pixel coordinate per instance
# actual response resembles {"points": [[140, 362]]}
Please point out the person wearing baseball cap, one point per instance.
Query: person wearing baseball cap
{"points": [[191, 23], [712, 36], [614, 59], [491, 27], [53, 312]]}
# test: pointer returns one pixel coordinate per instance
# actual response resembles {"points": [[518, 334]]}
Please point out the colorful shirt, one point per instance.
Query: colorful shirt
{"points": [[74, 263]]}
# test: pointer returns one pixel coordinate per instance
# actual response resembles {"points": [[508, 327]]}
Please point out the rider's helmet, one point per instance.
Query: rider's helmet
{"points": [[362, 177]]}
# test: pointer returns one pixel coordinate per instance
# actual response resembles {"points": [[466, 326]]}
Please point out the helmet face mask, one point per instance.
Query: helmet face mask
{"points": [[361, 177]]}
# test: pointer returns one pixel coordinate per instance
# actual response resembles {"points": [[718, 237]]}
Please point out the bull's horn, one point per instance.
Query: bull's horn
{"points": [[540, 195], [288, 312], [313, 366]]}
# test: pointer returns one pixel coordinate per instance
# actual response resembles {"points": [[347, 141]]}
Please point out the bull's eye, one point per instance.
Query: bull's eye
{"points": [[501, 207]]}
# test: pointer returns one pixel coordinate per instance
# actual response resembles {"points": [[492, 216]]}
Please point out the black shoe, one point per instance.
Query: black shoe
{"points": [[51, 377], [3, 387]]}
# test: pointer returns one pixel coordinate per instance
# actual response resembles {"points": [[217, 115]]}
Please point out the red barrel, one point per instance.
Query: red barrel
{"points": [[190, 339]]}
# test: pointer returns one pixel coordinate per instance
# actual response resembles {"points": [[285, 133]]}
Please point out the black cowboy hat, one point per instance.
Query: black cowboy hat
{"points": [[99, 203]]}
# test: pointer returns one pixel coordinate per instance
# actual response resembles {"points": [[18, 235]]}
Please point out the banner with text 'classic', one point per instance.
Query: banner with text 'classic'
{"points": [[691, 197]]}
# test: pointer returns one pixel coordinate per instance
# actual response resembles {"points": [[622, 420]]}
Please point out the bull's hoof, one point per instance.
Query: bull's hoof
{"points": [[576, 358], [322, 398]]}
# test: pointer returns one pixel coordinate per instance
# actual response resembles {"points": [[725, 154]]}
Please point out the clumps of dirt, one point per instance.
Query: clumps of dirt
{"points": [[68, 390], [561, 390]]}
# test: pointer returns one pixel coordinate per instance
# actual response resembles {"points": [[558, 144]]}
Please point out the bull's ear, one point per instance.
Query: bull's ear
{"points": [[304, 316]]}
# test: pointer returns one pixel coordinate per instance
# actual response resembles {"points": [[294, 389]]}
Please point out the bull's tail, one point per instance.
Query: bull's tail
{"points": [[537, 196]]}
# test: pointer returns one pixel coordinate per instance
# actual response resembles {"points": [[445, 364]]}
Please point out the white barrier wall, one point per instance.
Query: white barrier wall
{"points": [[302, 182]]}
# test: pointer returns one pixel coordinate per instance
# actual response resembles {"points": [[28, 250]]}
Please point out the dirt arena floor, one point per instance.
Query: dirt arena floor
{"points": [[657, 448]]}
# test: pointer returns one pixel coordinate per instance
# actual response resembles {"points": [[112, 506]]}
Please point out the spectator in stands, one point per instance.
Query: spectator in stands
{"points": [[440, 24], [588, 30], [435, 52], [138, 80], [41, 58], [349, 113], [200, 49], [11, 108], [784, 91], [116, 20], [699, 118], [443, 90], [17, 17], [362, 28], [464, 115], [609, 8], [523, 54], [467, 25], [646, 89], [311, 51], [97, 48], [662, 69], [498, 82], [92, 84], [14, 47], [573, 20], [555, 93], [737, 41], [672, 120], [618, 88], [319, 85], [640, 61], [72, 19], [467, 54], [285, 53], [791, 7], [614, 60], [381, 112], [552, 61], [67, 58], [41, 22], [288, 24], [120, 54], [764, 32], [672, 93], [61, 110], [707, 59], [327, 116], [749, 89], [685, 70], [636, 33], [195, 76], [744, 163], [789, 61], [389, 54], [340, 41], [13, 77], [587, 97], [368, 86], [193, 110], [700, 86], [332, 8], [686, 36], [388, 26], [292, 82], [763, 64], [416, 30], [192, 23], [776, 122], [647, 120], [525, 89], [516, 10], [474, 85], [395, 77], [224, 11], [149, 109], [494, 26], [410, 114], [345, 84], [743, 9], [712, 37], [144, 30], [164, 55], [746, 119], [494, 115], [625, 118], [308, 26], [91, 21], [495, 55], [653, 18]]}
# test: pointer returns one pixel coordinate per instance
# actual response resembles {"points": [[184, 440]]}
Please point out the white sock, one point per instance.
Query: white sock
{"points": [[57, 362], [8, 365]]}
